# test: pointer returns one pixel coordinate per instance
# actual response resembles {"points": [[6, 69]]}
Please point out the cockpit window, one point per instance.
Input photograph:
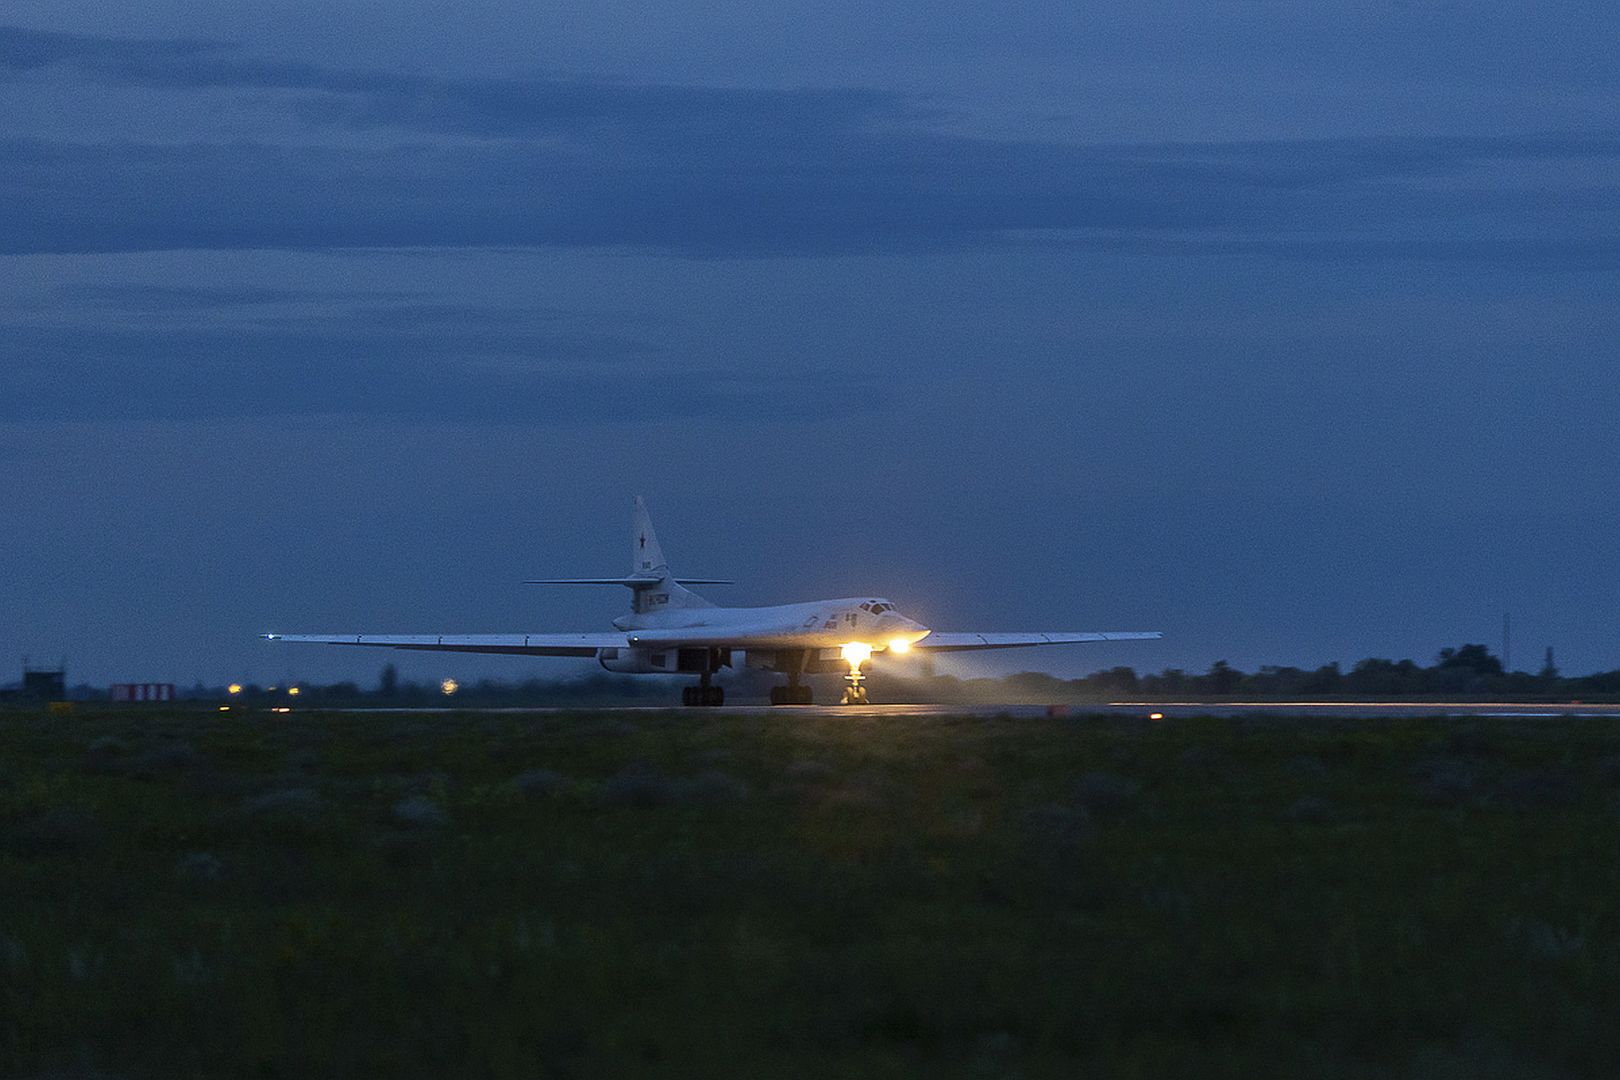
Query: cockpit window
{"points": [[878, 609], [868, 606]]}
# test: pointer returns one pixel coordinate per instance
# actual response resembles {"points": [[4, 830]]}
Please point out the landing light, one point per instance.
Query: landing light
{"points": [[856, 653], [900, 646]]}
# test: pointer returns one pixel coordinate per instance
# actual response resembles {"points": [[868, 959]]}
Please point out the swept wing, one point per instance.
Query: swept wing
{"points": [[498, 644], [937, 642], [736, 637]]}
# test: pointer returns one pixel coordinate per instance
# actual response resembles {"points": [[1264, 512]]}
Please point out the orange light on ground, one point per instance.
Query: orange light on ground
{"points": [[293, 691], [234, 689], [1155, 716], [448, 687]]}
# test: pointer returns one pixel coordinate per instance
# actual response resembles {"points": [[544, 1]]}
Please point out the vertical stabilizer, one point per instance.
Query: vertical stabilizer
{"points": [[652, 587], [661, 591], [646, 557]]}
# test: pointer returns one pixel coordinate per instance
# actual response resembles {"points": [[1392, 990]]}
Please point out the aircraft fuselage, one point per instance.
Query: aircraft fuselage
{"points": [[816, 624]]}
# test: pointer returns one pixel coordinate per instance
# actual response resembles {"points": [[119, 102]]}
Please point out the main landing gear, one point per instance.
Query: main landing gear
{"points": [[704, 693], [793, 665], [793, 693]]}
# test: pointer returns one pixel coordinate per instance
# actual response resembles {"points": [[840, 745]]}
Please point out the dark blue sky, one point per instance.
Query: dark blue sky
{"points": [[1290, 332]]}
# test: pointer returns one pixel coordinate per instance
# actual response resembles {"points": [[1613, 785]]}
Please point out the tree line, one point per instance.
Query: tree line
{"points": [[1469, 671]]}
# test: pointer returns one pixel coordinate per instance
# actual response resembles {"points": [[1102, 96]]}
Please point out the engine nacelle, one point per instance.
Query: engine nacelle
{"points": [[653, 661], [636, 661], [803, 661]]}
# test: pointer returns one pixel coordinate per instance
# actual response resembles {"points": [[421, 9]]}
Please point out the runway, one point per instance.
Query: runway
{"points": [[1144, 710], [1366, 710]]}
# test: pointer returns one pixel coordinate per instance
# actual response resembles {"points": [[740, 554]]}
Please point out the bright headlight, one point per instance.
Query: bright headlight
{"points": [[856, 653]]}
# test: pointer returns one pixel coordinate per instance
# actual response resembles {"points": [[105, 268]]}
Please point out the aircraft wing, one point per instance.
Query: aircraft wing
{"points": [[937, 642], [499, 644]]}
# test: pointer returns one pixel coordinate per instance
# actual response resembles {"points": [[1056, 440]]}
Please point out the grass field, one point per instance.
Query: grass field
{"points": [[600, 895]]}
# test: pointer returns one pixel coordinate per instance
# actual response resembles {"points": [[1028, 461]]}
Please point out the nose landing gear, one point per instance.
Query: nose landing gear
{"points": [[855, 654]]}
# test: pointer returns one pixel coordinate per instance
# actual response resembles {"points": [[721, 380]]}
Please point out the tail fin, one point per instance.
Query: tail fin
{"points": [[646, 557], [651, 584], [647, 561]]}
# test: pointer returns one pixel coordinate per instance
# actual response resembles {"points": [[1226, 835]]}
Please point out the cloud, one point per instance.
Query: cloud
{"points": [[430, 104], [23, 50], [900, 191], [739, 171], [368, 355], [155, 299]]}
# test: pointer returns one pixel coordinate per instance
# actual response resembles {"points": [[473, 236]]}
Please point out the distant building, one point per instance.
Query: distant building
{"points": [[44, 685], [142, 691], [37, 685]]}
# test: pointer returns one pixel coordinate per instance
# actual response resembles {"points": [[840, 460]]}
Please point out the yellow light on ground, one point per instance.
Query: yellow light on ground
{"points": [[293, 691], [1155, 716], [281, 709], [856, 653], [224, 708], [900, 646], [448, 687], [234, 688]]}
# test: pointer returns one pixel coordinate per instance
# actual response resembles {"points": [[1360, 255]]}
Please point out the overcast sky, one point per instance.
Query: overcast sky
{"points": [[1288, 330]]}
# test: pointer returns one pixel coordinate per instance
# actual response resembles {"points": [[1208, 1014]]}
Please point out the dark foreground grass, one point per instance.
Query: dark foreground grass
{"points": [[681, 895]]}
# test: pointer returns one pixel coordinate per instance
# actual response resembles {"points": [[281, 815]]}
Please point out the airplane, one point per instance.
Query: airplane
{"points": [[671, 630]]}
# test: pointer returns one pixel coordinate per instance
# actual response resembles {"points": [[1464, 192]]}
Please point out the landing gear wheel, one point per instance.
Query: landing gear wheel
{"points": [[703, 695], [705, 692], [854, 692]]}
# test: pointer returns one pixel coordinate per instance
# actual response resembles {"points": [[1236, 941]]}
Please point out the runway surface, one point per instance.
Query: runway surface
{"points": [[1138, 709]]}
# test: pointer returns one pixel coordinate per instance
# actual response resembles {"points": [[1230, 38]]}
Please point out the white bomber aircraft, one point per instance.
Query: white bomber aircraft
{"points": [[672, 630]]}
